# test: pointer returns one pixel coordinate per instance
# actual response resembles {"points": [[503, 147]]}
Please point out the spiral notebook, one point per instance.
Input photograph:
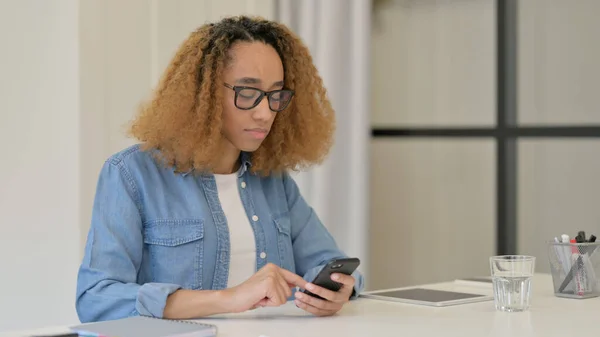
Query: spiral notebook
{"points": [[142, 326]]}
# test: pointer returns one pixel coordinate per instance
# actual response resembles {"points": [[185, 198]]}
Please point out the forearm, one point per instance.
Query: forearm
{"points": [[189, 304]]}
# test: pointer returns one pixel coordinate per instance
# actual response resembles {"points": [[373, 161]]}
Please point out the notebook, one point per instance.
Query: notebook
{"points": [[147, 327]]}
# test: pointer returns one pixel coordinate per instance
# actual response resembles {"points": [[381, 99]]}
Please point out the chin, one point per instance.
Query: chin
{"points": [[249, 147]]}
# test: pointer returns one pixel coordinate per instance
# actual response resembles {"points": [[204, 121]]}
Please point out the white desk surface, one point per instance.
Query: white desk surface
{"points": [[548, 316]]}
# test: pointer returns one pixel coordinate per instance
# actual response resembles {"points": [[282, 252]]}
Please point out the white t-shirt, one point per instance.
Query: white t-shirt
{"points": [[242, 262]]}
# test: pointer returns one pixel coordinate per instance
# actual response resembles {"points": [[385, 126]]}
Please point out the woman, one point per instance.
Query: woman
{"points": [[202, 217]]}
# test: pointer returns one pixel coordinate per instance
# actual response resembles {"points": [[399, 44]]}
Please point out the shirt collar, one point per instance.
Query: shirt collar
{"points": [[246, 163], [245, 157]]}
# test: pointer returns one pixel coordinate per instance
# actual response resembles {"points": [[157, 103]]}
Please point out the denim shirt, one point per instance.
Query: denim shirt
{"points": [[154, 231]]}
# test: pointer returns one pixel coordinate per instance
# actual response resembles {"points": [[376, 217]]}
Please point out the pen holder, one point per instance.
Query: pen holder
{"points": [[575, 269]]}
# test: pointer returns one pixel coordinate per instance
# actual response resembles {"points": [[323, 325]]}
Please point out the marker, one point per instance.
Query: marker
{"points": [[579, 277], [574, 249]]}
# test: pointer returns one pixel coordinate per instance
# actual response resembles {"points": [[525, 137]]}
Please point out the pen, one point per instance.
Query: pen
{"points": [[561, 256], [566, 250]]}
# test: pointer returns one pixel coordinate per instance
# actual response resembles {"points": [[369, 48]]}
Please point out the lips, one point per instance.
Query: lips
{"points": [[257, 133]]}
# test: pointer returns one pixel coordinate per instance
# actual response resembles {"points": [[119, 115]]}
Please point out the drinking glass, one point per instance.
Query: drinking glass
{"points": [[511, 276]]}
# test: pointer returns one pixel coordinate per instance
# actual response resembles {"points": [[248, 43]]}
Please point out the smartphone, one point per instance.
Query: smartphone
{"points": [[323, 279]]}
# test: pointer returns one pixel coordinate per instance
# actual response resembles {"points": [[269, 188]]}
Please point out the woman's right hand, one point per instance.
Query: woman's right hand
{"points": [[270, 286]]}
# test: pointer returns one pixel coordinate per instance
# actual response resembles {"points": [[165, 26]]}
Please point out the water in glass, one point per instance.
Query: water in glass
{"points": [[512, 293]]}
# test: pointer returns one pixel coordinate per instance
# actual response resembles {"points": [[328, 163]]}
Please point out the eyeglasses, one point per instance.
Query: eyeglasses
{"points": [[247, 98]]}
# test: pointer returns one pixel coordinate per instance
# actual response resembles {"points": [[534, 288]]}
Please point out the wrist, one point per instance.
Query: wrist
{"points": [[224, 300], [189, 304]]}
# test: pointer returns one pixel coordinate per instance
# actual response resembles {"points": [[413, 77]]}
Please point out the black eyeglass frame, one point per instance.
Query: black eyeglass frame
{"points": [[262, 94]]}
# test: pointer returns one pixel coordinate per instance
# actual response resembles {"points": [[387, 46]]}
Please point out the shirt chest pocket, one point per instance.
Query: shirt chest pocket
{"points": [[175, 251]]}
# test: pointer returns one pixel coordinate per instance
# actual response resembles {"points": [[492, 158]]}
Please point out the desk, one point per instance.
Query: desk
{"points": [[549, 316]]}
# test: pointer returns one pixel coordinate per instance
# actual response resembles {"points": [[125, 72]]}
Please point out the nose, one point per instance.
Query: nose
{"points": [[261, 111]]}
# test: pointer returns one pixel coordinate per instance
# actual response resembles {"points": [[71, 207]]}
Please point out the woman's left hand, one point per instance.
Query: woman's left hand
{"points": [[332, 302]]}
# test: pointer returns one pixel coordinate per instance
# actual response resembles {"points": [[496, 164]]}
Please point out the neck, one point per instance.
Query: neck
{"points": [[229, 161]]}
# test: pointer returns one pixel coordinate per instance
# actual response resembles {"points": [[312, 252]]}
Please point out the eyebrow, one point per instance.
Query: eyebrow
{"points": [[252, 80]]}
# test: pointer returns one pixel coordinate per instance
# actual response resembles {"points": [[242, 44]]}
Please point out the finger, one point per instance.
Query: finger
{"points": [[273, 299], [292, 278], [346, 291], [262, 303], [318, 303], [280, 288], [346, 280], [273, 291], [313, 310], [284, 287], [326, 293]]}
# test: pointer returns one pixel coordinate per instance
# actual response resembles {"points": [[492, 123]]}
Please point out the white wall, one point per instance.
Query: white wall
{"points": [[433, 64], [39, 142], [70, 81], [558, 62], [432, 210]]}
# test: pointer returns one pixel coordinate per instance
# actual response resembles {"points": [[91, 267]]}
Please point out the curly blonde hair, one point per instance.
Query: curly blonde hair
{"points": [[183, 118]]}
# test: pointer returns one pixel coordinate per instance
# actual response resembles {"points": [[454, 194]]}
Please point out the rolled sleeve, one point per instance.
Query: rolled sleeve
{"points": [[152, 298]]}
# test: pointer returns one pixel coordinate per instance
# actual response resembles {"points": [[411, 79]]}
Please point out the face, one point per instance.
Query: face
{"points": [[256, 65]]}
